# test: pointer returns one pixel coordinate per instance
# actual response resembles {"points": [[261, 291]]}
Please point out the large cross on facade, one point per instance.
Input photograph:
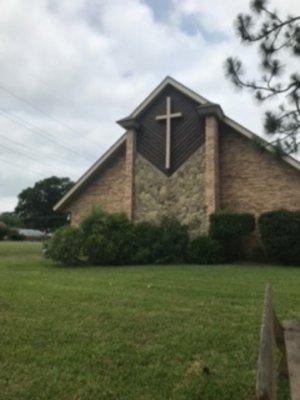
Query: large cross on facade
{"points": [[168, 117]]}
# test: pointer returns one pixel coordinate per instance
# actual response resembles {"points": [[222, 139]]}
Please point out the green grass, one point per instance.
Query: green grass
{"points": [[132, 332]]}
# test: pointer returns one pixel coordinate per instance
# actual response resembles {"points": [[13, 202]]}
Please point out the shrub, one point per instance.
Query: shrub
{"points": [[280, 234], [147, 243], [15, 235], [231, 229], [108, 239], [65, 246], [3, 230], [204, 250], [172, 242]]}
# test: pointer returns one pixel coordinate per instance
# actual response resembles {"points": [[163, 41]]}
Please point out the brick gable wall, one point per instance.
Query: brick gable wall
{"points": [[106, 190], [252, 180]]}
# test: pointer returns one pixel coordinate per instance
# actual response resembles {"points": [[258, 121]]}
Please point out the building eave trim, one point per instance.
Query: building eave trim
{"points": [[58, 206], [253, 136], [167, 81]]}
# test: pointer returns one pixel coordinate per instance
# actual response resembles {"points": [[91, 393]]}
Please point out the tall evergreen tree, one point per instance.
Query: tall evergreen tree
{"points": [[278, 41]]}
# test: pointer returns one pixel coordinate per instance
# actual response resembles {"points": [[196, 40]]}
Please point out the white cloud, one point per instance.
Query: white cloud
{"points": [[90, 62]]}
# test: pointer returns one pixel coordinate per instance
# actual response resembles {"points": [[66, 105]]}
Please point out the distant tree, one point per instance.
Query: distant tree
{"points": [[35, 205], [11, 219], [278, 41]]}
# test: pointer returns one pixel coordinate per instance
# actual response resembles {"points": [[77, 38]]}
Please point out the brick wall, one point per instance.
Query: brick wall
{"points": [[211, 167], [129, 171], [107, 190], [254, 181]]}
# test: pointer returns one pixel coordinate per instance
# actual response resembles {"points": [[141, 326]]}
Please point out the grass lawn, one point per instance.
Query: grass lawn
{"points": [[132, 332]]}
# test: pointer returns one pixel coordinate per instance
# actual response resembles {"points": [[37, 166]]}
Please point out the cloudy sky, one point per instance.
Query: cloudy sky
{"points": [[71, 68]]}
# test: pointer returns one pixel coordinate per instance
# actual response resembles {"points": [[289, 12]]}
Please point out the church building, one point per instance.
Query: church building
{"points": [[182, 157]]}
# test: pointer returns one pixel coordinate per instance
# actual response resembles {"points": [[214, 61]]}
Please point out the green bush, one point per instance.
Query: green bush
{"points": [[204, 250], [15, 235], [231, 230], [65, 246], [108, 239], [3, 230], [172, 242], [280, 234], [162, 243], [147, 243]]}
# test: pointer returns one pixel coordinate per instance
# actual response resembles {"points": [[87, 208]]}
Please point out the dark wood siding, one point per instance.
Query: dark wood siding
{"points": [[187, 132]]}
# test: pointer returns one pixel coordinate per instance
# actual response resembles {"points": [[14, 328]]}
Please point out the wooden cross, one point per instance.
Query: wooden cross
{"points": [[168, 117]]}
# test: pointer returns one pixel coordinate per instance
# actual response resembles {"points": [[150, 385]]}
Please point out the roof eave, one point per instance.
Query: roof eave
{"points": [[253, 136], [88, 174], [167, 81]]}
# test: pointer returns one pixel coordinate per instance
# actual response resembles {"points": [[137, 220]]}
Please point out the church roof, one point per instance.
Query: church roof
{"points": [[130, 121]]}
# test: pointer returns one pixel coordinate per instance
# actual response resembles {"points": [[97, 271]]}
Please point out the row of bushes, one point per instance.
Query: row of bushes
{"points": [[9, 233], [111, 239], [277, 236]]}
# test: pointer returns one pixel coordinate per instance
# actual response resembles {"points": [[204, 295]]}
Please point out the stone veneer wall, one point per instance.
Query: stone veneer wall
{"points": [[107, 190], [252, 180], [181, 195]]}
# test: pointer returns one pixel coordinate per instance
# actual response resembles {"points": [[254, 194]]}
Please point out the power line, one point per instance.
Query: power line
{"points": [[30, 157], [27, 147], [19, 166], [54, 139], [41, 132], [33, 106]]}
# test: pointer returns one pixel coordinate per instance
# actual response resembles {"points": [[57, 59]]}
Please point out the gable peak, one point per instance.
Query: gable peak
{"points": [[168, 80]]}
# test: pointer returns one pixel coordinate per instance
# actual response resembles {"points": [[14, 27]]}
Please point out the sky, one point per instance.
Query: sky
{"points": [[71, 68]]}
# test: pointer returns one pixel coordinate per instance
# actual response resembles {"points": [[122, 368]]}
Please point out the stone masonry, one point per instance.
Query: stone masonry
{"points": [[181, 195]]}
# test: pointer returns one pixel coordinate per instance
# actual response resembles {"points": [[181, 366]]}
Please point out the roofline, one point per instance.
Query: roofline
{"points": [[167, 81], [269, 147], [244, 131], [90, 172]]}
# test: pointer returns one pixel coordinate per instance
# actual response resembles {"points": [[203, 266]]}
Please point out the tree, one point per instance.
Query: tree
{"points": [[35, 205], [278, 41], [11, 219]]}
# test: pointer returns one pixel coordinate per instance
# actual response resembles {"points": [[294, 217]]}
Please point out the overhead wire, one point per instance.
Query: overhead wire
{"points": [[33, 106], [41, 132], [61, 160], [30, 157]]}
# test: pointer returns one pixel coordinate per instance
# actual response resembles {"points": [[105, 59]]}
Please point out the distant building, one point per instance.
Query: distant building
{"points": [[33, 234]]}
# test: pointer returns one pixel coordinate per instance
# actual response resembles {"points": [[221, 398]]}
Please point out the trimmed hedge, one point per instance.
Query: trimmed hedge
{"points": [[231, 230], [280, 234], [204, 250]]}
